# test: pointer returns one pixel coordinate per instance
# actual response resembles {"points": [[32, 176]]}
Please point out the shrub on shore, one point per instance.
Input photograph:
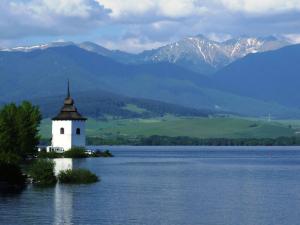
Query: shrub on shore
{"points": [[42, 172], [75, 152], [49, 155], [77, 176], [98, 153], [11, 177]]}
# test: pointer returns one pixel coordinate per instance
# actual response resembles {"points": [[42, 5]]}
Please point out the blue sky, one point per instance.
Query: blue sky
{"points": [[136, 25]]}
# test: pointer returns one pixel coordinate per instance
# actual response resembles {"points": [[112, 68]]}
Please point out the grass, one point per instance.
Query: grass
{"points": [[185, 126], [134, 108]]}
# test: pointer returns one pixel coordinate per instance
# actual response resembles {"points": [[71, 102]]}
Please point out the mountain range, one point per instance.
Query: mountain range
{"points": [[206, 56], [197, 53], [253, 84]]}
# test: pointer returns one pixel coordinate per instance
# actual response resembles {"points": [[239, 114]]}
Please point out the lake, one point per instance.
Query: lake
{"points": [[171, 186]]}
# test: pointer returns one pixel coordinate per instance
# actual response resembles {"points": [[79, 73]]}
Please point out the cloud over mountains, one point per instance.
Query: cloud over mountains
{"points": [[136, 25]]}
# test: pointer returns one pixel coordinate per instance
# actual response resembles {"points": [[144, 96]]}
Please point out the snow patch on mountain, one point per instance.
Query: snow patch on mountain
{"points": [[199, 50]]}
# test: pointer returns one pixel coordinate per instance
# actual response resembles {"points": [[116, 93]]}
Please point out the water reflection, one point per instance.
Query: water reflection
{"points": [[63, 196], [63, 205], [62, 164]]}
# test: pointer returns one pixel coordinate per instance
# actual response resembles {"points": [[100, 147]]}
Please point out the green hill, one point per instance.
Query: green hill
{"points": [[183, 126], [104, 105]]}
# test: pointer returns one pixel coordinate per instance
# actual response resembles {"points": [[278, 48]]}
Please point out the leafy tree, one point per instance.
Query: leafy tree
{"points": [[9, 129], [19, 128], [28, 121]]}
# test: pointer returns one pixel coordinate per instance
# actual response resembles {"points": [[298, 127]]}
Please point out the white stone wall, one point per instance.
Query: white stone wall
{"points": [[69, 139], [78, 140], [62, 140]]}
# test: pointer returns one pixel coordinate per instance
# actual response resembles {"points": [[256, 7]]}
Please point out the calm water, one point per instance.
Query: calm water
{"points": [[171, 186]]}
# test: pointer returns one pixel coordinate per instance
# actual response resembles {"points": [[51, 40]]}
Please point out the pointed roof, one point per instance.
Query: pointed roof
{"points": [[69, 111]]}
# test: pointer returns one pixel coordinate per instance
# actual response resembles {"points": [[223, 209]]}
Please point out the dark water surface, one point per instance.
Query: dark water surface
{"points": [[171, 186]]}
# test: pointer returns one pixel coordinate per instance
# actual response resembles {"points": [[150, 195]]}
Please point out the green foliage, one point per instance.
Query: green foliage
{"points": [[75, 152], [49, 155], [28, 121], [77, 176], [9, 129], [19, 129], [198, 127], [42, 172], [10, 172], [157, 140], [9, 158], [98, 153]]}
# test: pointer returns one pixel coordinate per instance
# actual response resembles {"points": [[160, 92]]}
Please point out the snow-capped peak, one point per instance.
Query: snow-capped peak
{"points": [[37, 47], [200, 53]]}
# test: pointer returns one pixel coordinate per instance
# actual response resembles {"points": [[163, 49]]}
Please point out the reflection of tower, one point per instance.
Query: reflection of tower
{"points": [[62, 164], [63, 205]]}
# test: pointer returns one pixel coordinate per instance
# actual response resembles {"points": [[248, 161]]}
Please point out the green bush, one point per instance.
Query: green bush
{"points": [[98, 153], [11, 176], [75, 152], [9, 158], [77, 176], [49, 155], [42, 172]]}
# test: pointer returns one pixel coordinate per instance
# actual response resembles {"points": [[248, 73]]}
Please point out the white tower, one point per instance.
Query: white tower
{"points": [[68, 127]]}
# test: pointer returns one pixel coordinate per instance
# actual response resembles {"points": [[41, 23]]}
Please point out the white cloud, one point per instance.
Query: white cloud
{"points": [[294, 38], [146, 24], [153, 9], [261, 6], [122, 9], [219, 37], [44, 17], [132, 44], [73, 8]]}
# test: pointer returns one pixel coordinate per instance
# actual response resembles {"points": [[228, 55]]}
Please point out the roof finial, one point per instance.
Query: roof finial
{"points": [[68, 93]]}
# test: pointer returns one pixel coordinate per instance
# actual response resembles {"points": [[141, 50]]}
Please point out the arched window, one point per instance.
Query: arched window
{"points": [[78, 131], [62, 130]]}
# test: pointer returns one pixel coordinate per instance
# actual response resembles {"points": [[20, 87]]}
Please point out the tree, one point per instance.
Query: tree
{"points": [[19, 128], [28, 121], [9, 129]]}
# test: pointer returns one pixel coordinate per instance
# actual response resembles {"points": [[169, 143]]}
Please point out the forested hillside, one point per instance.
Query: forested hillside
{"points": [[101, 104]]}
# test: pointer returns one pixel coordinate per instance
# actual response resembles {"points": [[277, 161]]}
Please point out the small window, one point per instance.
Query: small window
{"points": [[78, 131], [62, 130]]}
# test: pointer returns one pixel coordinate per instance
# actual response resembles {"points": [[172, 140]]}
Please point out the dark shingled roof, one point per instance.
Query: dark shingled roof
{"points": [[68, 111]]}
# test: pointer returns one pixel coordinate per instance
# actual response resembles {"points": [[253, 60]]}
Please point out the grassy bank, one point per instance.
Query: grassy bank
{"points": [[195, 127]]}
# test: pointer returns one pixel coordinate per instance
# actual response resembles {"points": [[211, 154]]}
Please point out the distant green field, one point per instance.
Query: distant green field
{"points": [[179, 126]]}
